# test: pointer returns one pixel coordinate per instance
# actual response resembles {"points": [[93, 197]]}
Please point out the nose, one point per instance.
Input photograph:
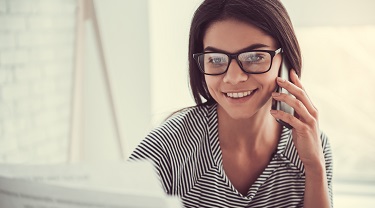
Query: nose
{"points": [[234, 74]]}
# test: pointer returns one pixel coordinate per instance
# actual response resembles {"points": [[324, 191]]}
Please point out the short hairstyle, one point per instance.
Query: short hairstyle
{"points": [[268, 15]]}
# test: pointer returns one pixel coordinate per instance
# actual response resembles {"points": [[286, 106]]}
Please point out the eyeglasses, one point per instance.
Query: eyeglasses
{"points": [[250, 62]]}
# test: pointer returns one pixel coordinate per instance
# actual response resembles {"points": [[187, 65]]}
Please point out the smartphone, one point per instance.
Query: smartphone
{"points": [[278, 105]]}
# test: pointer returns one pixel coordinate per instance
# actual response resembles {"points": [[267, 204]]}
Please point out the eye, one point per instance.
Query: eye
{"points": [[216, 59], [252, 57]]}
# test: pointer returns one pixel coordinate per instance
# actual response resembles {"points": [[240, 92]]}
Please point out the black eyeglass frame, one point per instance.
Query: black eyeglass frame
{"points": [[235, 56]]}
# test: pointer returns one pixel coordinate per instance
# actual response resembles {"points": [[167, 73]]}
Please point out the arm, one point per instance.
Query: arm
{"points": [[306, 138], [320, 182], [316, 188]]}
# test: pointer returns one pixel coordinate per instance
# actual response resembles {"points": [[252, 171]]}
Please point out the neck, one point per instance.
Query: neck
{"points": [[254, 133]]}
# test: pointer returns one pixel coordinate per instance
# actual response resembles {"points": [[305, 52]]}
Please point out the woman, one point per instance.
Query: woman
{"points": [[229, 150]]}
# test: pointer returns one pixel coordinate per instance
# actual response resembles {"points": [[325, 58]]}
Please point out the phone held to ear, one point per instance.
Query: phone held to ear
{"points": [[278, 105]]}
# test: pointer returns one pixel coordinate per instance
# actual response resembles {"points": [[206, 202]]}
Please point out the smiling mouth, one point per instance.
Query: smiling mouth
{"points": [[237, 95]]}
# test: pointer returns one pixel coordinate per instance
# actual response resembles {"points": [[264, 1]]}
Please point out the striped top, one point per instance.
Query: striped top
{"points": [[186, 153]]}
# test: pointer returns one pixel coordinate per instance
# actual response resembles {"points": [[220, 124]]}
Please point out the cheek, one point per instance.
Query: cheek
{"points": [[269, 78], [212, 82], [267, 81], [271, 81]]}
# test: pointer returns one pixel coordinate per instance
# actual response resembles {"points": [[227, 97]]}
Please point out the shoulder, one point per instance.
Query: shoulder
{"points": [[189, 114], [326, 147], [327, 151], [182, 130], [187, 119], [324, 138]]}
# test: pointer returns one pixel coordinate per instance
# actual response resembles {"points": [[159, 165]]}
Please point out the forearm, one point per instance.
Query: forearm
{"points": [[316, 188]]}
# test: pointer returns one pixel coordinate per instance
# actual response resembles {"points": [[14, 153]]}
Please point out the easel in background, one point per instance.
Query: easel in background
{"points": [[86, 12]]}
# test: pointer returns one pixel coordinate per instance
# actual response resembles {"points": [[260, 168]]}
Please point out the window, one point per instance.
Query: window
{"points": [[339, 73]]}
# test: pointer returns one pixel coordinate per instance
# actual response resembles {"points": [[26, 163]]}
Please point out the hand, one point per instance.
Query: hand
{"points": [[306, 136]]}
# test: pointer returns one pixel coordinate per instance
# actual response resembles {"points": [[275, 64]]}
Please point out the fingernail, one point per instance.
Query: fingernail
{"points": [[279, 79], [273, 112]]}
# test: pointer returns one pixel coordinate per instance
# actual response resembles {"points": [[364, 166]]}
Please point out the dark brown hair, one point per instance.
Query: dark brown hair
{"points": [[268, 15]]}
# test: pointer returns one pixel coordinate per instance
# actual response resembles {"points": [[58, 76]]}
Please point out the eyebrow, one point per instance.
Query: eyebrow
{"points": [[248, 48]]}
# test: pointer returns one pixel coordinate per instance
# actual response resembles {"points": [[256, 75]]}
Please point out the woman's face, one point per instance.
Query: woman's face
{"points": [[230, 90]]}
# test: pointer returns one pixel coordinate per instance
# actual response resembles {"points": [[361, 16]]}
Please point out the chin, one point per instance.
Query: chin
{"points": [[245, 111], [238, 114]]}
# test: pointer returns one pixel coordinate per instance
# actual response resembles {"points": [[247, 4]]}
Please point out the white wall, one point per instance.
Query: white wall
{"points": [[125, 34], [169, 27], [147, 88], [36, 64], [330, 13]]}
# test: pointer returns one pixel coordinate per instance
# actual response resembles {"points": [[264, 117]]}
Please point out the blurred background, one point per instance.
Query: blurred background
{"points": [[83, 82]]}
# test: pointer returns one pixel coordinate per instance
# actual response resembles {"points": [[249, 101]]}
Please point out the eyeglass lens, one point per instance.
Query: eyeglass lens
{"points": [[252, 62]]}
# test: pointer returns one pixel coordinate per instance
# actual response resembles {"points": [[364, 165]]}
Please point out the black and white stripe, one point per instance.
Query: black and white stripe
{"points": [[186, 153]]}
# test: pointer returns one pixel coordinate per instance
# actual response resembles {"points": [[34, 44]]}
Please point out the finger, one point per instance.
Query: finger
{"points": [[299, 108], [296, 80], [299, 93], [288, 118]]}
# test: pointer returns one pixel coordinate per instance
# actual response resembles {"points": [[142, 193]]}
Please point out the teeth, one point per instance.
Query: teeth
{"points": [[238, 94]]}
